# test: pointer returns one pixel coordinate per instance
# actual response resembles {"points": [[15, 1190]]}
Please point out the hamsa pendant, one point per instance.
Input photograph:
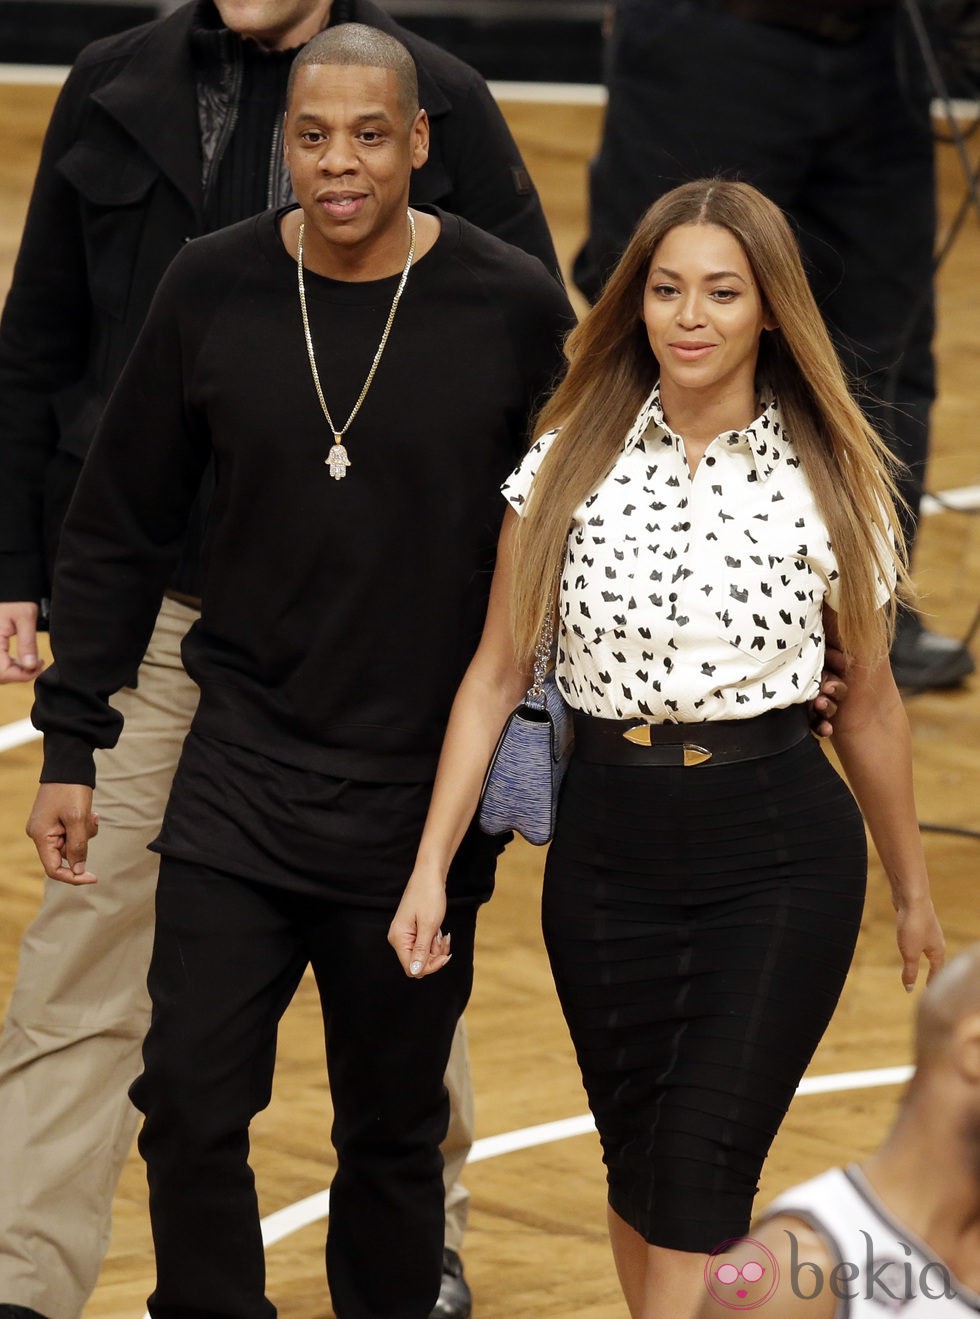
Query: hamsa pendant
{"points": [[338, 462]]}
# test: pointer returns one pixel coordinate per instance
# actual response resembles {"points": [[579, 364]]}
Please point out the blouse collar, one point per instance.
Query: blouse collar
{"points": [[764, 437]]}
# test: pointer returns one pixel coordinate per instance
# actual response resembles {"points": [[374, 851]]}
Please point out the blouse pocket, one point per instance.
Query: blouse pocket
{"points": [[598, 582], [764, 605]]}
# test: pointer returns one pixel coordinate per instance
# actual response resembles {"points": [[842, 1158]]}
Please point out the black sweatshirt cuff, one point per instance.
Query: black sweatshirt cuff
{"points": [[21, 577], [67, 759]]}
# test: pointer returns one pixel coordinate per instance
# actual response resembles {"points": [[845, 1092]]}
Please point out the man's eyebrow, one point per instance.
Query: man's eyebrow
{"points": [[371, 116]]}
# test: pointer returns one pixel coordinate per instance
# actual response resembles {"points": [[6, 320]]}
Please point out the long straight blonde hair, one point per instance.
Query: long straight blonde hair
{"points": [[612, 370]]}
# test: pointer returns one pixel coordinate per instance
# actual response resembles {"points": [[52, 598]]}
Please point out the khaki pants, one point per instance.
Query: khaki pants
{"points": [[79, 1010]]}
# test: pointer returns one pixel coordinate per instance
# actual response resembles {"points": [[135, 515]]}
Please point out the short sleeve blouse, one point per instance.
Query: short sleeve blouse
{"points": [[690, 598]]}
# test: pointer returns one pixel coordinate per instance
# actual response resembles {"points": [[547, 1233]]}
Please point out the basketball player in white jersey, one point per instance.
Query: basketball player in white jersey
{"points": [[898, 1234]]}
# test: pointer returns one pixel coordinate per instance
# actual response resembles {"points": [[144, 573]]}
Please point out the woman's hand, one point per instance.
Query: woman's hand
{"points": [[833, 689], [415, 932], [919, 934]]}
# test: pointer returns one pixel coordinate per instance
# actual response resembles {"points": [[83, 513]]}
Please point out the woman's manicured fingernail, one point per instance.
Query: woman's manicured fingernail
{"points": [[415, 968]]}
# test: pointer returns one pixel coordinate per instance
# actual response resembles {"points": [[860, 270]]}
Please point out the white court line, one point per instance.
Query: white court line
{"points": [[826, 1085], [538, 93], [549, 93], [34, 75], [963, 500], [543, 93], [284, 1222], [16, 734], [314, 1207]]}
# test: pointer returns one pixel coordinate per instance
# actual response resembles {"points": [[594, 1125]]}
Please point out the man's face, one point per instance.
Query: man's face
{"points": [[351, 149], [275, 24]]}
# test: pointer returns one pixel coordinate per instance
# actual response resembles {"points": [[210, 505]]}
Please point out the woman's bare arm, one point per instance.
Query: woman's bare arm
{"points": [[873, 741], [491, 687]]}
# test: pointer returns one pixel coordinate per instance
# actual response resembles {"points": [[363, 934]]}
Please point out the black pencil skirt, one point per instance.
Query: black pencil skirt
{"points": [[700, 924]]}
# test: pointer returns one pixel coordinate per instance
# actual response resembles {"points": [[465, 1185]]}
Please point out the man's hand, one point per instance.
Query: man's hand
{"points": [[833, 690], [18, 622], [61, 824]]}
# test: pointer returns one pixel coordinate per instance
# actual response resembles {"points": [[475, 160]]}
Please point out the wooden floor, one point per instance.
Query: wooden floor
{"points": [[536, 1244]]}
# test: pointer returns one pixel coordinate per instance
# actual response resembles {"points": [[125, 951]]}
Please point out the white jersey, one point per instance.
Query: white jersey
{"points": [[882, 1268]]}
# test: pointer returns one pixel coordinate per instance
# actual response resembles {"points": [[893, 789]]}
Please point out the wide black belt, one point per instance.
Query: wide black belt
{"points": [[717, 742], [829, 24]]}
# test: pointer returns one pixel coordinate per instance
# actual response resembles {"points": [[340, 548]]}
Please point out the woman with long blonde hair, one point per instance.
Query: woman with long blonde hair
{"points": [[704, 509]]}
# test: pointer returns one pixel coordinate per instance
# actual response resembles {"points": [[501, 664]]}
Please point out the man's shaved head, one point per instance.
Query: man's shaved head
{"points": [[367, 47], [952, 997]]}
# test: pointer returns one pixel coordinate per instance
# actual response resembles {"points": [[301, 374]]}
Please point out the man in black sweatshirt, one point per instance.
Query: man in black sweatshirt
{"points": [[361, 376], [160, 134]]}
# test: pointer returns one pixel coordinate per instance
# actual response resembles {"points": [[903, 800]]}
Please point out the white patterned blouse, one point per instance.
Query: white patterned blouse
{"points": [[689, 598]]}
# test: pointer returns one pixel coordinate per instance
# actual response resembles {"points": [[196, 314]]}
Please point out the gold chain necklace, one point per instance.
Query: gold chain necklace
{"points": [[337, 459]]}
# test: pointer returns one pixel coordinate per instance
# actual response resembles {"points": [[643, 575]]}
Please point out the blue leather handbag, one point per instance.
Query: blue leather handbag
{"points": [[520, 791]]}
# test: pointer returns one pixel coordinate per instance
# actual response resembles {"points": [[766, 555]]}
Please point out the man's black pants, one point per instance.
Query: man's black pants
{"points": [[228, 955]]}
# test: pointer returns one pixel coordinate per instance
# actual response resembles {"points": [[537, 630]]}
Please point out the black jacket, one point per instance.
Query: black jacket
{"points": [[118, 192]]}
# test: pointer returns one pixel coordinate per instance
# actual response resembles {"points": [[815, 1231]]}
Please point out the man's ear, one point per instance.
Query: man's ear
{"points": [[285, 140], [420, 139], [966, 1044]]}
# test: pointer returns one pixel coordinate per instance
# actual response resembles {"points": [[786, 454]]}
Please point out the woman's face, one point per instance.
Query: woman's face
{"points": [[702, 310]]}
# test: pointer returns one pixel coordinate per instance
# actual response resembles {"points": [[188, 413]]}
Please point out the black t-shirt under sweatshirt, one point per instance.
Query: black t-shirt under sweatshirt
{"points": [[339, 616]]}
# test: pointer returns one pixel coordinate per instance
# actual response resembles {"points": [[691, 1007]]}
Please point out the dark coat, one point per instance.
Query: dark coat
{"points": [[118, 192]]}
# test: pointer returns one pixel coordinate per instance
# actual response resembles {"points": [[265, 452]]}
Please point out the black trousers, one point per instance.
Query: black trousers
{"points": [[837, 134], [228, 955]]}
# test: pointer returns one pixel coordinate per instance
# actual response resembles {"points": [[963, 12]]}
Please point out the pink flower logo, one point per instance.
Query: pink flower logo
{"points": [[742, 1288]]}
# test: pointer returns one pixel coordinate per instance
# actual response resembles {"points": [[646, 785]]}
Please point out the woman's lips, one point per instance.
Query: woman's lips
{"points": [[691, 352]]}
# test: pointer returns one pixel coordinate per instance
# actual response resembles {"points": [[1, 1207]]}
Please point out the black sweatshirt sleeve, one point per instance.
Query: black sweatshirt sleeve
{"points": [[540, 321], [122, 537], [44, 344]]}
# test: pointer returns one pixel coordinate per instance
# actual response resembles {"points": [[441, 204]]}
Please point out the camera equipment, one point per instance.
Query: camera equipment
{"points": [[953, 30], [948, 36]]}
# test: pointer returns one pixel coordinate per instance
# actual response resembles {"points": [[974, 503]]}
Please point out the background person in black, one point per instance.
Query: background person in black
{"points": [[165, 132], [337, 618], [824, 106]]}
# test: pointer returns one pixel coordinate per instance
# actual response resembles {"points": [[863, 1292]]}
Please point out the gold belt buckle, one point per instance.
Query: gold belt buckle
{"points": [[693, 754]]}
